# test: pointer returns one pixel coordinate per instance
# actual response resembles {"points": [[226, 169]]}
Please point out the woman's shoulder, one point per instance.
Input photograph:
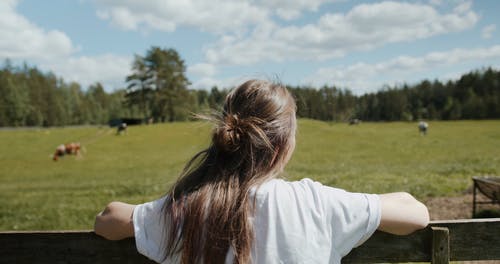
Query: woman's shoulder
{"points": [[282, 189], [277, 184], [306, 192]]}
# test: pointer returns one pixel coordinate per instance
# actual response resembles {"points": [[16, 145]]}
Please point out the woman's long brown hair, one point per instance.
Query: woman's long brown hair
{"points": [[208, 210]]}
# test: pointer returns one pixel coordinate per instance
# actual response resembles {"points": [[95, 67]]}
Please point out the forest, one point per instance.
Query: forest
{"points": [[158, 89]]}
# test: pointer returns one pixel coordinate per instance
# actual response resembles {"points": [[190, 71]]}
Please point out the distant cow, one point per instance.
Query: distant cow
{"points": [[354, 121], [67, 149], [122, 128], [422, 127]]}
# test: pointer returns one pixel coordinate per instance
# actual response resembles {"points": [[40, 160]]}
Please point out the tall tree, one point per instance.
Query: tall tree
{"points": [[15, 103], [139, 89], [159, 86], [167, 69]]}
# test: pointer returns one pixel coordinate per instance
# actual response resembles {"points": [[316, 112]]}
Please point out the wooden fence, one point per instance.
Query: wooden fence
{"points": [[441, 242]]}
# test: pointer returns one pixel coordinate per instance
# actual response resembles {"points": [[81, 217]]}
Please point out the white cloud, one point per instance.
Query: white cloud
{"points": [[436, 2], [221, 83], [363, 77], [206, 83], [291, 9], [52, 50], [110, 70], [364, 27], [487, 32], [201, 69], [23, 40], [214, 16], [463, 7], [167, 15], [248, 35]]}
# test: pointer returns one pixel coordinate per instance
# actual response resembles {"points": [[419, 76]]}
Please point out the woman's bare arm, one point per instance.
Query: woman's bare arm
{"points": [[115, 222], [402, 214]]}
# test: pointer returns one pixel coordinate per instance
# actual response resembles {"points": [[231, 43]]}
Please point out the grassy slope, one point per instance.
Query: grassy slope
{"points": [[36, 193]]}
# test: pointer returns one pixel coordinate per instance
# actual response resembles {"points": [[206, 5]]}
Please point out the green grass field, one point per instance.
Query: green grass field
{"points": [[37, 193]]}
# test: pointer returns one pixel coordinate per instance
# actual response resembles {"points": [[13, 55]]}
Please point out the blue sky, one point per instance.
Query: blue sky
{"points": [[360, 45]]}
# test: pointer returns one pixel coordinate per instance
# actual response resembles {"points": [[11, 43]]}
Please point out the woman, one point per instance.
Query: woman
{"points": [[229, 205]]}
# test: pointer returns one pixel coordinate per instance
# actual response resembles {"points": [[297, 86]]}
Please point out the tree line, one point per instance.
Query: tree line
{"points": [[158, 89], [30, 97], [475, 95]]}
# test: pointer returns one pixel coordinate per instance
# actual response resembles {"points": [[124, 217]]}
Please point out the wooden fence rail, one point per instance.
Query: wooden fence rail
{"points": [[441, 242]]}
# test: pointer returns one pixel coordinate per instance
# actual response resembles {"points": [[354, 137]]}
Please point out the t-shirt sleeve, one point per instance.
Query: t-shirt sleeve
{"points": [[352, 217], [149, 229]]}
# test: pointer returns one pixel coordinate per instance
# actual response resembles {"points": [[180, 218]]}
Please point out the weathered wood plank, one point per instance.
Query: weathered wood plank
{"points": [[66, 247], [440, 245], [477, 239], [470, 239], [386, 248]]}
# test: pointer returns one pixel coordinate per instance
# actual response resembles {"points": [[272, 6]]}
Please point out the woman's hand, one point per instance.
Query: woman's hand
{"points": [[115, 222]]}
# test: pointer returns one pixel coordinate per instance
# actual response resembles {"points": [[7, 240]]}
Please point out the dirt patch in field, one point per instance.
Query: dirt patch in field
{"points": [[459, 207], [446, 208]]}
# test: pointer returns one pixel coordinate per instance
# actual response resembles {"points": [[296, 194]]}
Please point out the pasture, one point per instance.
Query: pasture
{"points": [[39, 194]]}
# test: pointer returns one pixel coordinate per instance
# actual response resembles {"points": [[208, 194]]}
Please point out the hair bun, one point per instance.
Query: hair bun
{"points": [[230, 133]]}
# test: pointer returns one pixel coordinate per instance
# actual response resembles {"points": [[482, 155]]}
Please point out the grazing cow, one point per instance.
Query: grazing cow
{"points": [[68, 148], [354, 121], [422, 127], [121, 129]]}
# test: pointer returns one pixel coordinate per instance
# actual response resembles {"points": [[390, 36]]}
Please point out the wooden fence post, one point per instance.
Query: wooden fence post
{"points": [[440, 245]]}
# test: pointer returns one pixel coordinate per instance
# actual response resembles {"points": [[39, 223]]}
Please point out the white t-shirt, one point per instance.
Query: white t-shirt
{"points": [[294, 222]]}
